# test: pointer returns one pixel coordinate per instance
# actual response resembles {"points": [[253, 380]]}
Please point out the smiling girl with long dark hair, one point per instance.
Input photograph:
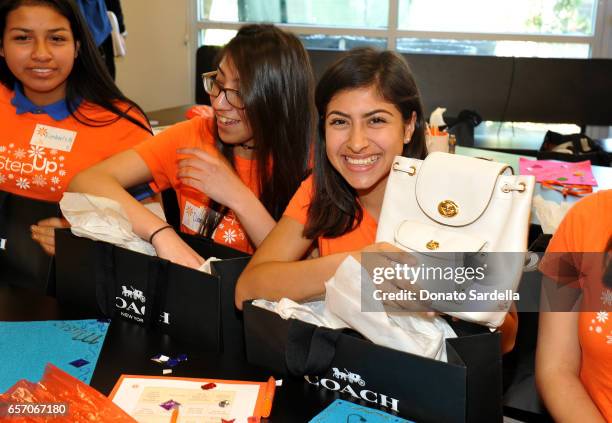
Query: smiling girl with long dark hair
{"points": [[60, 110]]}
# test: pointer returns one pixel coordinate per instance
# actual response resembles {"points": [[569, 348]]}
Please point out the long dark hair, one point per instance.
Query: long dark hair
{"points": [[277, 86], [89, 79], [334, 209]]}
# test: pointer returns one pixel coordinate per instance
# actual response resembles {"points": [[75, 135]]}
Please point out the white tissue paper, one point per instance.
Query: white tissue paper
{"points": [[103, 219], [414, 333], [205, 267], [436, 118], [436, 142], [549, 213], [409, 332], [314, 312]]}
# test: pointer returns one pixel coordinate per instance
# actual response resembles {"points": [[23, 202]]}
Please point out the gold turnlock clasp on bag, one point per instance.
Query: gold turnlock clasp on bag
{"points": [[521, 187], [448, 208], [411, 170], [432, 245]]}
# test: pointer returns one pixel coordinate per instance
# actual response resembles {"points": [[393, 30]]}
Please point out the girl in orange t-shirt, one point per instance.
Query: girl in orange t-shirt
{"points": [[234, 172], [574, 354], [60, 111], [370, 111]]}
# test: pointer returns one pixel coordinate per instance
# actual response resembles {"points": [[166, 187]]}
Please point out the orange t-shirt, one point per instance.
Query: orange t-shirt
{"points": [[39, 155], [587, 227], [359, 237], [160, 156], [362, 236]]}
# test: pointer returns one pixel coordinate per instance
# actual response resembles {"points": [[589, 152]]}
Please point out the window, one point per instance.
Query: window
{"points": [[334, 13], [544, 17], [520, 28], [531, 28]]}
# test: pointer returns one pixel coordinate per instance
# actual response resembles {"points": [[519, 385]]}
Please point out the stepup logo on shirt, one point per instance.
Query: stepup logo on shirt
{"points": [[39, 166]]}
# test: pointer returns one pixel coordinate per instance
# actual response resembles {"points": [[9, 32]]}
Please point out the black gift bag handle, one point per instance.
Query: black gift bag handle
{"points": [[311, 349]]}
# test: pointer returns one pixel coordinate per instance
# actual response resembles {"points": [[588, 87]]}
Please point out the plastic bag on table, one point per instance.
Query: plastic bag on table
{"points": [[84, 403]]}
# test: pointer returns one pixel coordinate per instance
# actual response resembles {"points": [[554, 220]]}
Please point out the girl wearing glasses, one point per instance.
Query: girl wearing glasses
{"points": [[60, 111], [234, 172]]}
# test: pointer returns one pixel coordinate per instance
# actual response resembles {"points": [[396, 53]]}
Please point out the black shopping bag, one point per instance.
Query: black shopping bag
{"points": [[572, 148], [22, 260], [227, 271], [468, 388], [97, 277]]}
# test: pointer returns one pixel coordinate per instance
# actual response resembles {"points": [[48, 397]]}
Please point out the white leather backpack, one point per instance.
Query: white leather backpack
{"points": [[456, 206]]}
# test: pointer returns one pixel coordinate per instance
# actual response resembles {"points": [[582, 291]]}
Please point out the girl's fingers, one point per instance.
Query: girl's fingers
{"points": [[194, 163], [54, 222], [43, 231], [191, 182]]}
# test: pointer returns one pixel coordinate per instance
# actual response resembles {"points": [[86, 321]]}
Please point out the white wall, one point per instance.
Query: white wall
{"points": [[157, 71]]}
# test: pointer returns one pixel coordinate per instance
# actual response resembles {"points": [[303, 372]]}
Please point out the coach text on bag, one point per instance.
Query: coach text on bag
{"points": [[187, 304], [468, 388]]}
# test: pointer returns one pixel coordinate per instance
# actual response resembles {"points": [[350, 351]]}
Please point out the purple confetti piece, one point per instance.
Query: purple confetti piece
{"points": [[173, 362], [169, 405], [79, 363]]}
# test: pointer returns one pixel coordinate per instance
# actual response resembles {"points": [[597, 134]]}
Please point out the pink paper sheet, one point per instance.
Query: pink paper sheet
{"points": [[564, 172]]}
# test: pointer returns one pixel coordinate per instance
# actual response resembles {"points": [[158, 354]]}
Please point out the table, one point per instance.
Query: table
{"points": [[603, 175], [128, 349]]}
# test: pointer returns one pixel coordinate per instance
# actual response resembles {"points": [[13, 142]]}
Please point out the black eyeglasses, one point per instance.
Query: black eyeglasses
{"points": [[214, 88]]}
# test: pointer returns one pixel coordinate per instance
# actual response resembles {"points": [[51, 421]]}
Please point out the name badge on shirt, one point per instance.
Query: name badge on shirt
{"points": [[53, 138], [193, 216]]}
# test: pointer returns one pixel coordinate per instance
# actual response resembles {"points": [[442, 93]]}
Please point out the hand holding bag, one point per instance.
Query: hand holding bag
{"points": [[448, 204]]}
